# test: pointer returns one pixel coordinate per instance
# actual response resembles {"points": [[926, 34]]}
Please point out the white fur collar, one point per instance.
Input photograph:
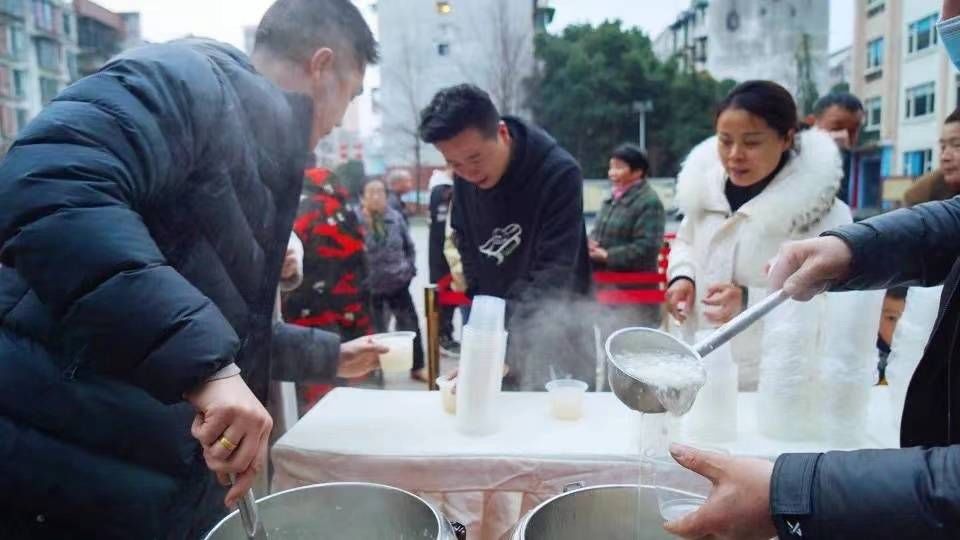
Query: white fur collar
{"points": [[800, 196]]}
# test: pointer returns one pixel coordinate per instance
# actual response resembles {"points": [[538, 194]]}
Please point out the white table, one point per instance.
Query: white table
{"points": [[404, 439]]}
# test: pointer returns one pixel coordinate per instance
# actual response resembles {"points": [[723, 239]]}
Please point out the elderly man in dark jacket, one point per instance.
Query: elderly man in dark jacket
{"points": [[144, 216]]}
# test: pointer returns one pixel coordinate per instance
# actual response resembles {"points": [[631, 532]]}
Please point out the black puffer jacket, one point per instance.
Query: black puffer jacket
{"points": [[144, 216], [895, 494]]}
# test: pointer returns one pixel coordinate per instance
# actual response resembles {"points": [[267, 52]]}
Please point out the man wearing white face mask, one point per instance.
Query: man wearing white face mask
{"points": [[144, 219]]}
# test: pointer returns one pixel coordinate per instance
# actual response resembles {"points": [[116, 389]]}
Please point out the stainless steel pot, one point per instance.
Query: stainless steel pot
{"points": [[618, 512], [357, 511]]}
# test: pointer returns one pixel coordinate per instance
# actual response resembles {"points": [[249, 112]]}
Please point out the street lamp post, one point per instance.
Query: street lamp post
{"points": [[642, 108]]}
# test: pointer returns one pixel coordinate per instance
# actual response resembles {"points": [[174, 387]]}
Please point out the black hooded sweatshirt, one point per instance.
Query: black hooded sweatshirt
{"points": [[525, 240]]}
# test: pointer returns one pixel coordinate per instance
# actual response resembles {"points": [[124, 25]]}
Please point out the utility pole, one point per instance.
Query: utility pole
{"points": [[642, 108]]}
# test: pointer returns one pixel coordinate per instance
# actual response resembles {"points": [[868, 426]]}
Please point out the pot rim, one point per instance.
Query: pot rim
{"points": [[436, 513], [521, 526]]}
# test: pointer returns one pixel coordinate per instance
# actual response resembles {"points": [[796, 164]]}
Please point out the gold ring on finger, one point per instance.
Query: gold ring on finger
{"points": [[226, 443]]}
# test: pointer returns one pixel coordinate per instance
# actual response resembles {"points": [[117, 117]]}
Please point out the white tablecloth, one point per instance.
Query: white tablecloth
{"points": [[404, 439]]}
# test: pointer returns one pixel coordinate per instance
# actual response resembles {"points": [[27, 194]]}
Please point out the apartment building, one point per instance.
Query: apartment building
{"points": [[908, 87]]}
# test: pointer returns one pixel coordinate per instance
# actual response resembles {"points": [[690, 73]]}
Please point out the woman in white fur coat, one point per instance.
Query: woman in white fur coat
{"points": [[755, 185]]}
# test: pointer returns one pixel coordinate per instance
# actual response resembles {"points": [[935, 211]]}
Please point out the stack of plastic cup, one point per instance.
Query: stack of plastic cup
{"points": [[480, 376], [713, 417]]}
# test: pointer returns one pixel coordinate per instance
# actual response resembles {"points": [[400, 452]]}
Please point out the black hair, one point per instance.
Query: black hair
{"points": [[455, 109], [295, 29], [897, 293], [633, 156], [844, 100], [953, 118], [765, 99]]}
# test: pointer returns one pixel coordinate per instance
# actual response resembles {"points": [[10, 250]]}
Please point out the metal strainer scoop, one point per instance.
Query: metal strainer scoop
{"points": [[641, 396]]}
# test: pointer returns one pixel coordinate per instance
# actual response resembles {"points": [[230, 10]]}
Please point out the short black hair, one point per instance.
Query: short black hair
{"points": [[455, 109], [633, 156], [953, 118], [844, 100], [295, 29], [897, 293], [765, 99]]}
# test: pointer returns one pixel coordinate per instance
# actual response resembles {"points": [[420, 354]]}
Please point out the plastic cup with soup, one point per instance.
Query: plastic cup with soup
{"points": [[566, 398], [400, 356], [447, 396]]}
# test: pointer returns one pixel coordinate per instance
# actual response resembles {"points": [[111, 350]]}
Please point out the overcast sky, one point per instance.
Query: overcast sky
{"points": [[225, 19]]}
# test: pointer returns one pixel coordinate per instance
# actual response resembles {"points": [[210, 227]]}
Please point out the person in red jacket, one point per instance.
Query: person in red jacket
{"points": [[331, 296]]}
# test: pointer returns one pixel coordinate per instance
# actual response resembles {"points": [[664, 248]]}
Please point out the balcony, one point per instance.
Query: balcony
{"points": [[12, 8]]}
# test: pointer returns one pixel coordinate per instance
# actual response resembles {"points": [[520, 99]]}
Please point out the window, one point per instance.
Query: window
{"points": [[874, 108], [8, 122], [72, 66], [48, 54], [44, 15], [18, 41], [921, 100], [875, 6], [66, 24], [20, 83], [376, 100], [875, 54], [958, 91], [22, 119], [922, 35], [6, 82], [443, 49], [48, 89], [444, 8], [700, 50], [918, 162], [12, 7]]}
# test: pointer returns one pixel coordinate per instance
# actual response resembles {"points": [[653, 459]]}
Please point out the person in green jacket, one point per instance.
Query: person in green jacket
{"points": [[628, 234]]}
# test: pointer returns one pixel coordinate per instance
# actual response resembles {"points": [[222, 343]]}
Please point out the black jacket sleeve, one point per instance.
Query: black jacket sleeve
{"points": [[877, 494], [559, 244], [72, 189], [304, 355], [465, 245], [915, 246]]}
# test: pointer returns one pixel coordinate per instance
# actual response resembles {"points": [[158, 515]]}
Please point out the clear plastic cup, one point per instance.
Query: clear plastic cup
{"points": [[487, 314], [400, 356], [447, 397], [566, 398], [680, 491]]}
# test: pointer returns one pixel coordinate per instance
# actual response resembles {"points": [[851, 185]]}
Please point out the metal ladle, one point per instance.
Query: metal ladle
{"points": [[249, 515], [641, 396]]}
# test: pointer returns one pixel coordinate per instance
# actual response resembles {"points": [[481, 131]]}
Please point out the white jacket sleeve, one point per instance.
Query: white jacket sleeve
{"points": [[295, 250], [682, 262]]}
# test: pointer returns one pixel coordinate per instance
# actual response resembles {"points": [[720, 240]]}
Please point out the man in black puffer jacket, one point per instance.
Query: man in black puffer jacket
{"points": [[909, 493], [144, 216]]}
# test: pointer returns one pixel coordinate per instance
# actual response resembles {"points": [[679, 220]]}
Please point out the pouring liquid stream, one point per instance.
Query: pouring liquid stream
{"points": [[677, 378]]}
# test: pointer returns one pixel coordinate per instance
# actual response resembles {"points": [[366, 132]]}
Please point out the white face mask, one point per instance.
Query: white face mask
{"points": [[950, 37]]}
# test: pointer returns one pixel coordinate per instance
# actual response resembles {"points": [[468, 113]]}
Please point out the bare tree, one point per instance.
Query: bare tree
{"points": [[505, 42], [407, 76]]}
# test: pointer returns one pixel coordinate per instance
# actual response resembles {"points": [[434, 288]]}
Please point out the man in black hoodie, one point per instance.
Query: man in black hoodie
{"points": [[518, 219]]}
